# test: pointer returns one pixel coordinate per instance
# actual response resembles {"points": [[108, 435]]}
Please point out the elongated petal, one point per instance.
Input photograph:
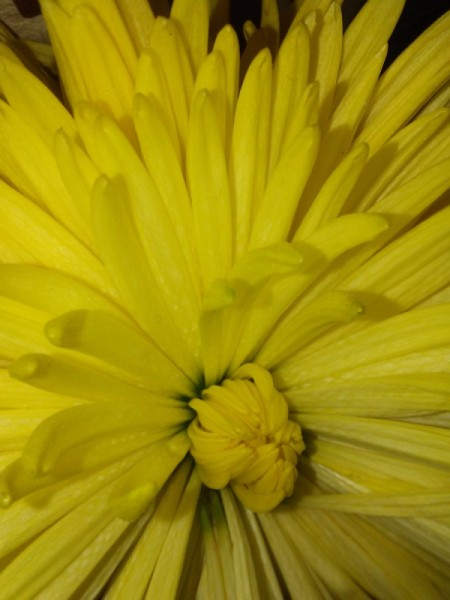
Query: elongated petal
{"points": [[47, 243], [249, 149], [403, 334], [194, 27], [209, 189], [274, 213], [124, 255], [73, 378], [114, 341], [290, 76], [425, 68]]}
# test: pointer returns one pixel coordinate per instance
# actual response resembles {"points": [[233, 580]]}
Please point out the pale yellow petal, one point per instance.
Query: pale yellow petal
{"points": [[97, 564], [251, 579], [299, 328], [402, 335], [400, 275], [388, 396], [28, 517], [175, 546], [418, 442], [296, 575], [363, 552], [85, 575], [116, 342], [136, 490], [79, 378], [137, 572], [320, 561], [51, 552], [425, 504]]}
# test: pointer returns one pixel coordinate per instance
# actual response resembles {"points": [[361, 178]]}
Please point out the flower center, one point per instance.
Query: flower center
{"points": [[242, 436]]}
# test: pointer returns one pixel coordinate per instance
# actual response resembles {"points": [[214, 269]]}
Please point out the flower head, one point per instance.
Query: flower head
{"points": [[225, 313]]}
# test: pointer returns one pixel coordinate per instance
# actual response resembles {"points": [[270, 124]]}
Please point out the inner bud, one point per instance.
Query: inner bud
{"points": [[242, 436]]}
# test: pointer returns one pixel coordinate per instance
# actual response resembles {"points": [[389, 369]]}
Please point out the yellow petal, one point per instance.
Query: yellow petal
{"points": [[413, 78], [27, 518], [124, 255], [290, 77], [34, 101], [404, 439], [77, 172], [151, 83], [85, 574], [390, 165], [20, 329], [138, 19], [194, 27], [134, 578], [138, 488], [116, 342], [408, 333], [44, 241], [334, 192], [69, 377], [401, 275], [303, 326], [274, 212], [249, 148], [79, 425], [167, 42], [227, 46], [173, 552], [366, 34], [56, 548], [53, 291], [339, 131], [209, 190], [326, 57], [32, 169], [86, 43]]}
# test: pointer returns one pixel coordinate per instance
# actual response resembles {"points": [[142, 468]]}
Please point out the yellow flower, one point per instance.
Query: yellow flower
{"points": [[224, 296]]}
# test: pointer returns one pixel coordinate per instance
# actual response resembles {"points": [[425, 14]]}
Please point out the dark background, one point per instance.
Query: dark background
{"points": [[416, 17]]}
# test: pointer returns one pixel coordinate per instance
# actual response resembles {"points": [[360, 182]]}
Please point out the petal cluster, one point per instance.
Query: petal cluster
{"points": [[224, 299]]}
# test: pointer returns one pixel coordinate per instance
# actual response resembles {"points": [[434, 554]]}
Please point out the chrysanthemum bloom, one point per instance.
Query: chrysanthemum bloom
{"points": [[225, 306]]}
